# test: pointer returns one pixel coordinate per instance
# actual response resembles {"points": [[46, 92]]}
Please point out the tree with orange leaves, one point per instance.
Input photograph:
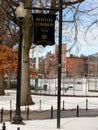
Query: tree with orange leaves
{"points": [[33, 72], [8, 59], [8, 62]]}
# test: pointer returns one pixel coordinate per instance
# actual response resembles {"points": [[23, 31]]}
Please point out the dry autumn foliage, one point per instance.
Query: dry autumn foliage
{"points": [[33, 72], [9, 60]]}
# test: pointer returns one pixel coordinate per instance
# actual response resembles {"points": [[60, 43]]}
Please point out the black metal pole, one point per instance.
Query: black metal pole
{"points": [[18, 119], [59, 64]]}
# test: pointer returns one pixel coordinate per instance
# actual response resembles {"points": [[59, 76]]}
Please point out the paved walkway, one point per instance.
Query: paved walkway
{"points": [[64, 114], [50, 114]]}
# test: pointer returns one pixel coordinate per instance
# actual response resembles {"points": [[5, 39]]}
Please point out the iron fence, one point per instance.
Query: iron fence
{"points": [[74, 86]]}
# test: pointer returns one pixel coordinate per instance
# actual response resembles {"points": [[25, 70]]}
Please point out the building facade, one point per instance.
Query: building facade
{"points": [[76, 66], [72, 66]]}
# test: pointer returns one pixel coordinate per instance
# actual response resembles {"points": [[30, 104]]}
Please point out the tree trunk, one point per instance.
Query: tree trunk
{"points": [[27, 40], [25, 75], [1, 84], [25, 84]]}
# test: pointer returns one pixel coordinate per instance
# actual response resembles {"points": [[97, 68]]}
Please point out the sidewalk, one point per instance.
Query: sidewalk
{"points": [[64, 114], [50, 114]]}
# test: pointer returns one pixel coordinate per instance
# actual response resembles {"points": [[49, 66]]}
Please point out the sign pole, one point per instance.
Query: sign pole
{"points": [[59, 64]]}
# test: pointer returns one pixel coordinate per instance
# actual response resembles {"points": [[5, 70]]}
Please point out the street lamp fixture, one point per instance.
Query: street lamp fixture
{"points": [[20, 13]]}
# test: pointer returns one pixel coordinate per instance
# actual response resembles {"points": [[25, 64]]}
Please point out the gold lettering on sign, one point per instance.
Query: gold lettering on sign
{"points": [[44, 24], [44, 19], [44, 30]]}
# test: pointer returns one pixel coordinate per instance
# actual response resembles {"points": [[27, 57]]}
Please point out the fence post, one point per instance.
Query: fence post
{"points": [[63, 105], [10, 115], [40, 105], [51, 112], [77, 110], [10, 104], [1, 115], [3, 127], [28, 113], [18, 128], [86, 104]]}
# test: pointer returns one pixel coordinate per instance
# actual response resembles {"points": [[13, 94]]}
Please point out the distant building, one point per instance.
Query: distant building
{"points": [[93, 65], [71, 66], [51, 62], [76, 66]]}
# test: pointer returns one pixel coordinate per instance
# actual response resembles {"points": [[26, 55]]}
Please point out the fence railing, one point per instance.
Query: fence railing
{"points": [[76, 106], [78, 86], [28, 113]]}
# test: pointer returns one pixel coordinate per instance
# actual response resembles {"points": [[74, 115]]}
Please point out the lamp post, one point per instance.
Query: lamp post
{"points": [[20, 13]]}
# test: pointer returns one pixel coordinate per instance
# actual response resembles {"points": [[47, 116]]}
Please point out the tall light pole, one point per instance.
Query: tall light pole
{"points": [[20, 13]]}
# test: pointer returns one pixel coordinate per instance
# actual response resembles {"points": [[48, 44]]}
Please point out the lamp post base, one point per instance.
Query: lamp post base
{"points": [[18, 120]]}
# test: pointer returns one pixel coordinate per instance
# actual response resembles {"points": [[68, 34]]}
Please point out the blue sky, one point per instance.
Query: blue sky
{"points": [[85, 45]]}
